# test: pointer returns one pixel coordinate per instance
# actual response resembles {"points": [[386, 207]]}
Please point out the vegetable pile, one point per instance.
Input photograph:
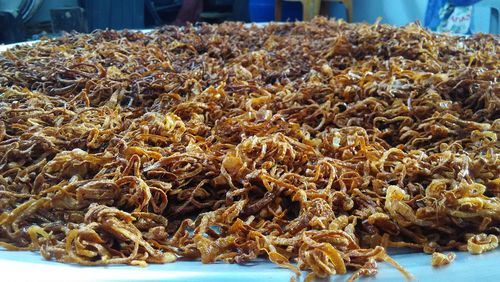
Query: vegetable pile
{"points": [[313, 144]]}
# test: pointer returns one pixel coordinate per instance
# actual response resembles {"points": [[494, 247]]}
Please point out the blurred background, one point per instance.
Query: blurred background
{"points": [[22, 20]]}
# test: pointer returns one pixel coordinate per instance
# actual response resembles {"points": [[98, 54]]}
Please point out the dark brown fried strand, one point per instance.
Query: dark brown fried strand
{"points": [[313, 144]]}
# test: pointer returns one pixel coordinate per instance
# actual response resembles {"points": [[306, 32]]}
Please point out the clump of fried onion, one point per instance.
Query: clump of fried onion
{"points": [[440, 259], [316, 145]]}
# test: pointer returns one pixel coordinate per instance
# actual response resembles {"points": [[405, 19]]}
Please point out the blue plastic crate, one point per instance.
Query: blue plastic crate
{"points": [[263, 11]]}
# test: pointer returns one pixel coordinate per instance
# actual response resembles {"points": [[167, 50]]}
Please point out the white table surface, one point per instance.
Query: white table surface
{"points": [[30, 266]]}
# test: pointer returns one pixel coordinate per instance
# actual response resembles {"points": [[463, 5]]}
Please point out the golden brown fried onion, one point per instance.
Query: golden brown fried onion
{"points": [[440, 259], [313, 144]]}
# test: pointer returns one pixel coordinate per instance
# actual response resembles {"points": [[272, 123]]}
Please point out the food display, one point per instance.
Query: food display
{"points": [[316, 145]]}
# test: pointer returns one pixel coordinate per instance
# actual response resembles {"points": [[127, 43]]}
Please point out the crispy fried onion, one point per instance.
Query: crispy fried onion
{"points": [[313, 144], [481, 243], [440, 259]]}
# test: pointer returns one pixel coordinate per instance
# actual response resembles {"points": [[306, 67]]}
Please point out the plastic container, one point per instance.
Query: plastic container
{"points": [[263, 11]]}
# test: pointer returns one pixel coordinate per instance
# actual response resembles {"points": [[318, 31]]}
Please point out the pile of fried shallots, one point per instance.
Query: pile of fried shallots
{"points": [[315, 145]]}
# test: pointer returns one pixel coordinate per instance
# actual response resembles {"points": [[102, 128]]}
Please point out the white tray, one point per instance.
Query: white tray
{"points": [[29, 266]]}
